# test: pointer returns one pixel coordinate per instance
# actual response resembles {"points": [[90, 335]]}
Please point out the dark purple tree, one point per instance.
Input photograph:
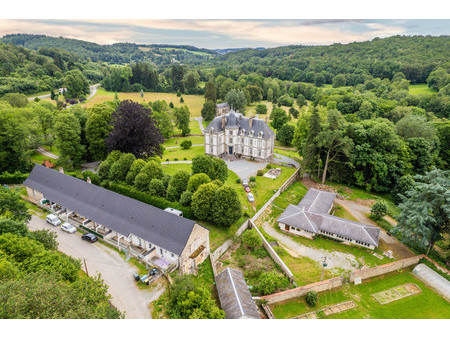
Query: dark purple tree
{"points": [[134, 131]]}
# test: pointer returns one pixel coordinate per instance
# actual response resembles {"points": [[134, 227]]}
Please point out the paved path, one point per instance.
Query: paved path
{"points": [[334, 259], [115, 271], [46, 153], [92, 88], [281, 159], [175, 162], [194, 145], [200, 119]]}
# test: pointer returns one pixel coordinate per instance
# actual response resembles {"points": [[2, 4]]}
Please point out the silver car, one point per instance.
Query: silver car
{"points": [[250, 197], [68, 228]]}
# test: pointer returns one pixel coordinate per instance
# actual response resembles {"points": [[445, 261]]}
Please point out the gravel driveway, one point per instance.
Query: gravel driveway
{"points": [[115, 271]]}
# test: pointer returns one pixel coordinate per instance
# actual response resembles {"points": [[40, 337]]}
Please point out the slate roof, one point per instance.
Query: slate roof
{"points": [[223, 105], [117, 212], [234, 120], [234, 295], [311, 214]]}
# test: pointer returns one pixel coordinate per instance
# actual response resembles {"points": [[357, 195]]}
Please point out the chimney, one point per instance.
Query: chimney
{"points": [[250, 121], [223, 121], [61, 170], [89, 180]]}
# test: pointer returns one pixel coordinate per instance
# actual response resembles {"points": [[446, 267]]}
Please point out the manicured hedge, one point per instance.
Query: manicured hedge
{"points": [[13, 178], [158, 202]]}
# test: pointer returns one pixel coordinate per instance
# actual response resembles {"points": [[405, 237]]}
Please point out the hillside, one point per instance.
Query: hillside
{"points": [[119, 53], [414, 56]]}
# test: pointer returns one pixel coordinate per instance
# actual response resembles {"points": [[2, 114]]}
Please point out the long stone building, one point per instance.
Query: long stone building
{"points": [[234, 134], [156, 236], [311, 217]]}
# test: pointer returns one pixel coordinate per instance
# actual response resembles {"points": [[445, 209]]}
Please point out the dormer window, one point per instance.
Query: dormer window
{"points": [[252, 133], [260, 134]]}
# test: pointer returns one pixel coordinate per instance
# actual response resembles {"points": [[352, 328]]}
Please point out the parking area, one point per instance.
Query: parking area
{"points": [[115, 271], [244, 168]]}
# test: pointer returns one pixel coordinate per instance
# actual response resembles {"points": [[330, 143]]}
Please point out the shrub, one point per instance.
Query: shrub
{"points": [[226, 206], [156, 188], [252, 179], [285, 100], [196, 181], [261, 109], [156, 201], [378, 210], [177, 185], [181, 99], [120, 168], [186, 198], [186, 144], [103, 170], [93, 176], [268, 166], [260, 173], [142, 181], [252, 184], [271, 281], [238, 180], [171, 105], [294, 112], [251, 238], [311, 298], [178, 93], [13, 178]]}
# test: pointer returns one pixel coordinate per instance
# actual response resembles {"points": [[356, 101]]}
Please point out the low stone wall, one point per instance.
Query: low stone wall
{"points": [[226, 245], [386, 268], [273, 254], [303, 290]]}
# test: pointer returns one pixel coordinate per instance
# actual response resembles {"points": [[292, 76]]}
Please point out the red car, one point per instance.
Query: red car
{"points": [[247, 189]]}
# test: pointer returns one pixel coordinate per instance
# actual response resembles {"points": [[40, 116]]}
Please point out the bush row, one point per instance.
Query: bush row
{"points": [[13, 178], [158, 202]]}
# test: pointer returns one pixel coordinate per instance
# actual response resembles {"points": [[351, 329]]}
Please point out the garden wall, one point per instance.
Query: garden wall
{"points": [[224, 247], [386, 268], [303, 290], [273, 254]]}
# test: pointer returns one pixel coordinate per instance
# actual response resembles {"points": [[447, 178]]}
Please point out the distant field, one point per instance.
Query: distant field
{"points": [[421, 88], [187, 51], [194, 102]]}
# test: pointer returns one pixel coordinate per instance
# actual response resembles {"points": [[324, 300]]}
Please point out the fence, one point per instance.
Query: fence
{"points": [[226, 245], [273, 254]]}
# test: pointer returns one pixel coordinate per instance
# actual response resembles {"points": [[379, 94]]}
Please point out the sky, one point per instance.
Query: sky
{"points": [[226, 33]]}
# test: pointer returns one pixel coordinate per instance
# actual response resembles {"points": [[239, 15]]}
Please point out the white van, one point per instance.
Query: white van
{"points": [[174, 211], [53, 220]]}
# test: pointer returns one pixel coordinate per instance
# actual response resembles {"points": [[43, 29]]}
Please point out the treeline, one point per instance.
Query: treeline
{"points": [[118, 53], [36, 280], [416, 57], [27, 71]]}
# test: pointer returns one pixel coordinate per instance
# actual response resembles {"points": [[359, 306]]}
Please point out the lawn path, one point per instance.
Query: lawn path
{"points": [[194, 145], [46, 153], [200, 119]]}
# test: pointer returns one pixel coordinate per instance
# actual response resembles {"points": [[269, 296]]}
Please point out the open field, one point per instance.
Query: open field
{"points": [[288, 153], [181, 154], [427, 304], [421, 88], [193, 126], [196, 52], [194, 102]]}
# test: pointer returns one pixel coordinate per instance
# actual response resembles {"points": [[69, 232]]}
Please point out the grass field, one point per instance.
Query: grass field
{"points": [[181, 154], [427, 304], [421, 88], [194, 102], [288, 153], [175, 141]]}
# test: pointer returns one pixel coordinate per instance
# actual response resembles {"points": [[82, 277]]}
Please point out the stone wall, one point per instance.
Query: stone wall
{"points": [[225, 246], [303, 290], [386, 268], [273, 254]]}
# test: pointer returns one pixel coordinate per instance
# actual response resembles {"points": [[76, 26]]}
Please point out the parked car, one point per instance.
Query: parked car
{"points": [[250, 197], [68, 228], [245, 182], [53, 220], [89, 237], [136, 276], [247, 189], [153, 271]]}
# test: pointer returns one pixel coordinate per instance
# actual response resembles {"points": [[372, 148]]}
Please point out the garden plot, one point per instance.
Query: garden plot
{"points": [[333, 309], [396, 293]]}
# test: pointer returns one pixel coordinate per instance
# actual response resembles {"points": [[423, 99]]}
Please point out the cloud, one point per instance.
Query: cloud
{"points": [[213, 33]]}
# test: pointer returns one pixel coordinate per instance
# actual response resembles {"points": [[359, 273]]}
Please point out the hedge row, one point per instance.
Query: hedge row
{"points": [[13, 178], [158, 202]]}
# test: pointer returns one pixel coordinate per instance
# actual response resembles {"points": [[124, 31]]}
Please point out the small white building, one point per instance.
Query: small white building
{"points": [[234, 134], [311, 217]]}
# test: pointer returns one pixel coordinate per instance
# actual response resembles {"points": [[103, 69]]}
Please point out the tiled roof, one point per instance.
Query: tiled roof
{"points": [[311, 215], [234, 295], [117, 212], [234, 120]]}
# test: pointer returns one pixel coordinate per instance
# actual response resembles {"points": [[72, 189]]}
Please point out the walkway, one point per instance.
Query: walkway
{"points": [[334, 259], [46, 153], [281, 159], [115, 271], [92, 88], [194, 145]]}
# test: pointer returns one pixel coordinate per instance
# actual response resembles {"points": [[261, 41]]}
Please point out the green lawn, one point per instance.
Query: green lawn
{"points": [[194, 102], [292, 195], [288, 153], [182, 154], [427, 304], [421, 88], [39, 158], [175, 141]]}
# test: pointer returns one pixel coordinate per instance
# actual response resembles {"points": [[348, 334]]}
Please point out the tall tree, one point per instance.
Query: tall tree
{"points": [[182, 117], [76, 84], [67, 130], [236, 99], [12, 206], [134, 131], [209, 110], [210, 91], [425, 210], [177, 74], [97, 129]]}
